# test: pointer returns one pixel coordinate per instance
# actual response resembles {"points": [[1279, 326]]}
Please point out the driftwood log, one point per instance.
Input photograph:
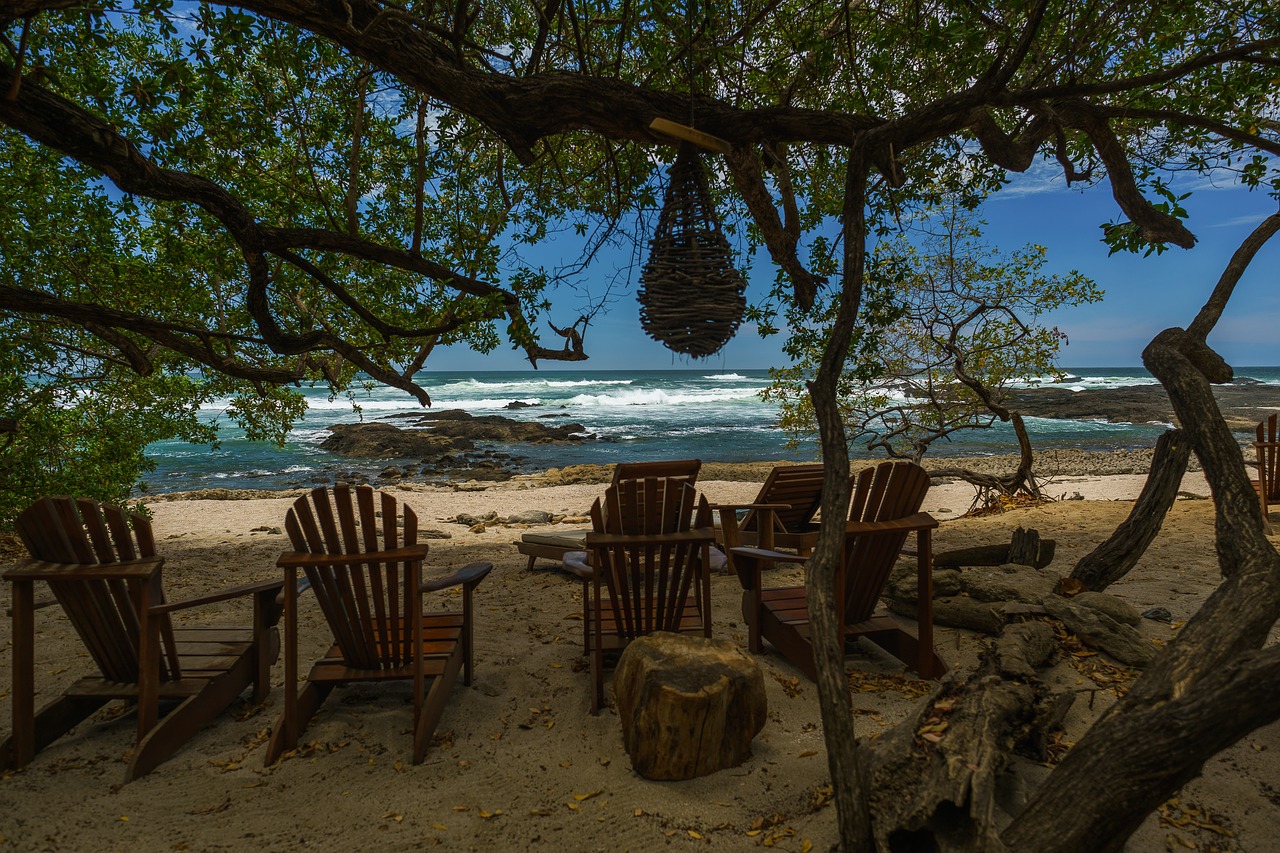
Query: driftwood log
{"points": [[689, 705], [1026, 548], [937, 781]]}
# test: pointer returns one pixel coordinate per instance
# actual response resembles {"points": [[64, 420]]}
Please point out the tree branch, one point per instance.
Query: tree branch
{"points": [[781, 241]]}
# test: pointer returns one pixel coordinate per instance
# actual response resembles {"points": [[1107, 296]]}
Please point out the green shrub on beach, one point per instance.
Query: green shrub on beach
{"points": [[81, 426]]}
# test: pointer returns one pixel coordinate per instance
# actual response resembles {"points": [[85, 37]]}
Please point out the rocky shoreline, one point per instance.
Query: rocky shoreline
{"points": [[1243, 403], [452, 449], [1050, 464]]}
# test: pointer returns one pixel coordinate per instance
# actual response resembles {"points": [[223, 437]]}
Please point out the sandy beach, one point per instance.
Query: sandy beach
{"points": [[519, 762]]}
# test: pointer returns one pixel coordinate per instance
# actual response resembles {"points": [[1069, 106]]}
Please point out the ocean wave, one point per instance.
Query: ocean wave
{"points": [[486, 403], [1062, 426], [528, 384], [1074, 381], [658, 397]]}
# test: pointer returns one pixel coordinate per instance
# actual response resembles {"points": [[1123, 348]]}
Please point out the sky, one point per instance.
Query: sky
{"points": [[1143, 295]]}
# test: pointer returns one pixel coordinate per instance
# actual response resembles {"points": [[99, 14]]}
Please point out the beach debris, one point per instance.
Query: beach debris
{"points": [[1099, 631], [530, 516], [1158, 614], [790, 686], [1116, 608], [469, 520], [1010, 582], [1070, 587], [1024, 547], [1024, 647], [770, 831], [688, 706], [866, 682], [958, 611], [1189, 816]]}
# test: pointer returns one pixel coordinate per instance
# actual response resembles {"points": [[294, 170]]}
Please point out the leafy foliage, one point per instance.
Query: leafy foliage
{"points": [[948, 324]]}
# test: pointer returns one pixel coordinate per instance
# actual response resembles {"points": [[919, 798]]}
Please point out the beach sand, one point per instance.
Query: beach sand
{"points": [[519, 762]]}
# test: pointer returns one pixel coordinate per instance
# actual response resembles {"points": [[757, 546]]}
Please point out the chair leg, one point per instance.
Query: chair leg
{"points": [[310, 698], [438, 691], [52, 722], [195, 712], [468, 646], [907, 648], [751, 615], [266, 613]]}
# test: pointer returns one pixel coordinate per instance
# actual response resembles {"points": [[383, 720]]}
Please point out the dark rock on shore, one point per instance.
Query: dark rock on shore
{"points": [[1243, 403], [441, 434], [461, 424], [443, 445], [387, 441]]}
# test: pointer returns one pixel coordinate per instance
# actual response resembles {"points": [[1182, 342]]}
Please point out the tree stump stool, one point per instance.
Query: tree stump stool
{"points": [[689, 705]]}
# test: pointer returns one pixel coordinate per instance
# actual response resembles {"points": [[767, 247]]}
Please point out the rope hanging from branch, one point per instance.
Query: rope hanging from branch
{"points": [[691, 295]]}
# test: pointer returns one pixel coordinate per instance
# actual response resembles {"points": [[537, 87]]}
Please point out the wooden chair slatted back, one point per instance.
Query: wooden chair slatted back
{"points": [[371, 606], [641, 507], [1268, 449], [684, 468], [103, 611], [649, 582], [889, 491], [798, 486]]}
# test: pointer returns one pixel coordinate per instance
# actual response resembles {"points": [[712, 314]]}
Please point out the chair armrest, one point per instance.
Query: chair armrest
{"points": [[302, 559], [224, 595], [919, 521], [766, 554], [34, 570], [750, 506], [468, 575]]}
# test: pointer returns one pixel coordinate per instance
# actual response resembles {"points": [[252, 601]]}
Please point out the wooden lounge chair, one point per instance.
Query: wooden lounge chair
{"points": [[370, 590], [781, 516], [885, 508], [554, 546], [1268, 483], [100, 564], [651, 555]]}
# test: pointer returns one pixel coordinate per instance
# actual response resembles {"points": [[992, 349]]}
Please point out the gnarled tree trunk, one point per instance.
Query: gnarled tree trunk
{"points": [[1214, 683], [1113, 559]]}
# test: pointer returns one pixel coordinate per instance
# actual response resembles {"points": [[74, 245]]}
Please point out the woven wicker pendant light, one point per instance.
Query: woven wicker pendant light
{"points": [[691, 295]]}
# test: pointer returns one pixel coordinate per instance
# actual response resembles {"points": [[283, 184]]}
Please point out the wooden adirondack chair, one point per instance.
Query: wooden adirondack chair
{"points": [[554, 546], [1268, 483], [100, 564], [651, 567], [885, 508], [781, 516], [370, 590]]}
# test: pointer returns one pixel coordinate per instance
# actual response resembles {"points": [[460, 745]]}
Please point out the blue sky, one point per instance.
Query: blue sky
{"points": [[1142, 295]]}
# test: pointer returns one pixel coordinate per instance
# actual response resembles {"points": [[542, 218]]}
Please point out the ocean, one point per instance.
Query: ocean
{"points": [[713, 415]]}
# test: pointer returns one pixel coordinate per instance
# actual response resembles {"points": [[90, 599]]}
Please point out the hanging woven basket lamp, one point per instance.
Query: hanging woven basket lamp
{"points": [[691, 294]]}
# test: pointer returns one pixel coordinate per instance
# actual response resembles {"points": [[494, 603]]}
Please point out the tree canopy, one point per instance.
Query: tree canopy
{"points": [[296, 190], [290, 190]]}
